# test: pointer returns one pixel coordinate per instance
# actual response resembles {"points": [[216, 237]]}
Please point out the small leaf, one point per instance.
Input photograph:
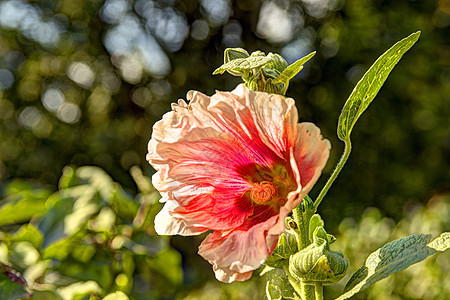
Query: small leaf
{"points": [[369, 85], [243, 64], [394, 257], [234, 53], [273, 292], [293, 69], [315, 222]]}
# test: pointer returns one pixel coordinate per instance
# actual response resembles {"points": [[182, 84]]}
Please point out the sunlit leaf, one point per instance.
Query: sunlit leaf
{"points": [[28, 233], [394, 257], [293, 69], [243, 64], [23, 202], [316, 221], [273, 292], [52, 224], [79, 288], [369, 85], [59, 249]]}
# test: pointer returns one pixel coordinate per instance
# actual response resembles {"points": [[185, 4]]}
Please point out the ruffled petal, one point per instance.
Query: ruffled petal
{"points": [[311, 153], [234, 255], [167, 223], [201, 176]]}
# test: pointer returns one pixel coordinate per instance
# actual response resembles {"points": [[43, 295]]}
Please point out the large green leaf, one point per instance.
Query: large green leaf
{"points": [[367, 88], [394, 257], [22, 202], [28, 233]]}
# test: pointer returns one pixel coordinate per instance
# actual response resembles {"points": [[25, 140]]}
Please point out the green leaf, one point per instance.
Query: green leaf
{"points": [[28, 233], [243, 64], [124, 205], [168, 264], [52, 224], [367, 88], [394, 257], [293, 69], [22, 202], [315, 222], [234, 53], [273, 292], [10, 289]]}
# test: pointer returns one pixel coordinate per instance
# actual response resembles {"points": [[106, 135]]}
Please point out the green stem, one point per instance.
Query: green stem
{"points": [[303, 227], [339, 166], [295, 284], [307, 292], [318, 291]]}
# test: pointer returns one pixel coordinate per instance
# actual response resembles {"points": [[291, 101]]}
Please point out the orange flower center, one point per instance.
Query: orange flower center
{"points": [[262, 192]]}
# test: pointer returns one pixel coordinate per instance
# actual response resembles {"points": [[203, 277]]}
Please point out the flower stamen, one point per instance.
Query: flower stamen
{"points": [[262, 192]]}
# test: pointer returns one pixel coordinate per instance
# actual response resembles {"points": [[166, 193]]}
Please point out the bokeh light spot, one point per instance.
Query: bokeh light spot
{"points": [[29, 116], [142, 96], [52, 99], [6, 79], [217, 12], [199, 30], [68, 113], [81, 73]]}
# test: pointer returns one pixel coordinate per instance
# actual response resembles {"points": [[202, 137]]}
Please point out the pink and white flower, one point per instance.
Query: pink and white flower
{"points": [[235, 163]]}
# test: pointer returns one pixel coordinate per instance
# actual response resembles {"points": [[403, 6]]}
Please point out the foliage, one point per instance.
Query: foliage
{"points": [[89, 238], [359, 237]]}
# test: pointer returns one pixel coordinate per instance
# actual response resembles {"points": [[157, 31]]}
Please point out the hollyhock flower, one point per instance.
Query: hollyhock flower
{"points": [[235, 163]]}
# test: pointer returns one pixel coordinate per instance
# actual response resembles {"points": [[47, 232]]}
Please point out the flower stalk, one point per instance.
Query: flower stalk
{"points": [[337, 170]]}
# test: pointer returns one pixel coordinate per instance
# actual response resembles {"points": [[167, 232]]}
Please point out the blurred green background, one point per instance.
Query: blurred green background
{"points": [[82, 83]]}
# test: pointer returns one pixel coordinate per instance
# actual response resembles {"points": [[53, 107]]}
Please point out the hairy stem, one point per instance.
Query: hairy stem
{"points": [[295, 284], [307, 292], [303, 227], [337, 170], [318, 291]]}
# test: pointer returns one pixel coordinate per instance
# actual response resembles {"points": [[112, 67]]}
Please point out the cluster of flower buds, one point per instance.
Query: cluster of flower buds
{"points": [[303, 249], [266, 73]]}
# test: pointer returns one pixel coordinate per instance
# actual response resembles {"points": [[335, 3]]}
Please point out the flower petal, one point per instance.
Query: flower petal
{"points": [[311, 153], [234, 255]]}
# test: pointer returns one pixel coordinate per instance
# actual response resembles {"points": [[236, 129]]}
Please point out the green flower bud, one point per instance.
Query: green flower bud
{"points": [[278, 63], [262, 73], [235, 53], [317, 263]]}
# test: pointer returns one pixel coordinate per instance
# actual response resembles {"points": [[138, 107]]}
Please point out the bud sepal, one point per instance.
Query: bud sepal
{"points": [[317, 263]]}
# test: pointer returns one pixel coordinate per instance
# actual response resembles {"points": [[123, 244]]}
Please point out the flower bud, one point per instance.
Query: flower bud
{"points": [[317, 263]]}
